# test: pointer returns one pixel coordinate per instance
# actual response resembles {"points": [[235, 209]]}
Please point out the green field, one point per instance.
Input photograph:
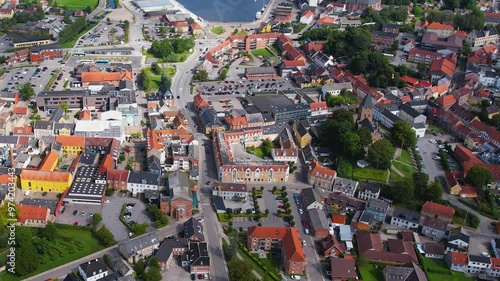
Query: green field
{"points": [[77, 4], [156, 79], [72, 244], [434, 267], [218, 30], [370, 273], [405, 169], [369, 174], [405, 157], [262, 52]]}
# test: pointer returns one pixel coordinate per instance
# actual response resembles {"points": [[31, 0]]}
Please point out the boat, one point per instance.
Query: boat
{"points": [[262, 10], [258, 15]]}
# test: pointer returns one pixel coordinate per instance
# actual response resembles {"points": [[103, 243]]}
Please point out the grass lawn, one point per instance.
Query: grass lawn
{"points": [[257, 151], [405, 169], [262, 52], [77, 4], [71, 43], [222, 217], [71, 245], [269, 262], [370, 273], [394, 177], [241, 32], [405, 157], [156, 79], [218, 30], [440, 265], [369, 173]]}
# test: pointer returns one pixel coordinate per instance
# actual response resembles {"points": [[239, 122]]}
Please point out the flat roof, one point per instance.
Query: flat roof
{"points": [[88, 183], [152, 3], [264, 101]]}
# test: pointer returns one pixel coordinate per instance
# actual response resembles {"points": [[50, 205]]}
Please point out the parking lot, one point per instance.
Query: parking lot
{"points": [[111, 212], [235, 87], [102, 35], [78, 214], [36, 76], [429, 150]]}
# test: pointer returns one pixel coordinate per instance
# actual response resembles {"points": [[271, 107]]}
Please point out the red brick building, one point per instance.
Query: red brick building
{"points": [[252, 73], [18, 56], [384, 38], [286, 239], [354, 5], [45, 52], [117, 179], [418, 55]]}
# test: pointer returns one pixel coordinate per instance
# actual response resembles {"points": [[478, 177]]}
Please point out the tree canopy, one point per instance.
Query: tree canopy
{"points": [[239, 270], [403, 190], [479, 177], [168, 49], [403, 134], [381, 153], [26, 92]]}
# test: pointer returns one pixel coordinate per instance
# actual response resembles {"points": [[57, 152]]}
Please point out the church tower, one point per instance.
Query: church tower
{"points": [[365, 110]]}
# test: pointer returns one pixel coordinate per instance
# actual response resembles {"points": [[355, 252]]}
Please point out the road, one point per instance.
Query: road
{"points": [[100, 7]]}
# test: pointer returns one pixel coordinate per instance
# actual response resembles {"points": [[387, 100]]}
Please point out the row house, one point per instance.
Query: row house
{"points": [[473, 264], [41, 53], [488, 35], [320, 176], [355, 5], [405, 218], [423, 56], [384, 38]]}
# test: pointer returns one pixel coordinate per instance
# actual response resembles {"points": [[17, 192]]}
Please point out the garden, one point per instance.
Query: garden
{"points": [[262, 52], [218, 30], [437, 270]]}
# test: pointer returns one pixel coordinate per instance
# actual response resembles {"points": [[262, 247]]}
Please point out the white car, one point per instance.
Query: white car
{"points": [[106, 201], [295, 277], [301, 211], [432, 141], [436, 157], [304, 243]]}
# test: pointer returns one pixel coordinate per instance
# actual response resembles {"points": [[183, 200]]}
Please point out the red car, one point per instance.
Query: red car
{"points": [[281, 206], [76, 223], [304, 223]]}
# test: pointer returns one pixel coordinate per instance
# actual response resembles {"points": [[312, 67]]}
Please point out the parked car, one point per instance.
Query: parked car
{"points": [[83, 214], [301, 211], [279, 198], [75, 212]]}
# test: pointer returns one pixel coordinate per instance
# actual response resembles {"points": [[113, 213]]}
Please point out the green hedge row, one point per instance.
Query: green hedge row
{"points": [[273, 275]]}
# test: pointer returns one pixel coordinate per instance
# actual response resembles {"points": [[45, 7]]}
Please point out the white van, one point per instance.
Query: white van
{"points": [[306, 231]]}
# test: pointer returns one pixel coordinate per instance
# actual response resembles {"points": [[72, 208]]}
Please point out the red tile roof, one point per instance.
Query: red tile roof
{"points": [[292, 63], [338, 219], [317, 47], [200, 102], [447, 100], [117, 175], [315, 106], [343, 269], [45, 176], [98, 77], [49, 162], [469, 160], [459, 258], [20, 110], [290, 239], [196, 26], [71, 140], [308, 14], [325, 20], [320, 171], [437, 25], [438, 209], [84, 115], [468, 190], [25, 130], [444, 66], [28, 212], [409, 80], [106, 164]]}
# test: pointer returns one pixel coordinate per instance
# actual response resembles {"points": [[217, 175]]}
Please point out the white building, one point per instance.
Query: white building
{"points": [[369, 192], [335, 88], [231, 191], [307, 17], [93, 270], [405, 218], [138, 182]]}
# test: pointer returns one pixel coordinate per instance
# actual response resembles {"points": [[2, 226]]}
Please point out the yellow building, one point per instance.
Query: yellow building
{"points": [[64, 131], [301, 129], [45, 181], [452, 182], [72, 145]]}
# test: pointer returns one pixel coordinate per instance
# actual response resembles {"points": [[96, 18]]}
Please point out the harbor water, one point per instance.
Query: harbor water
{"points": [[224, 10]]}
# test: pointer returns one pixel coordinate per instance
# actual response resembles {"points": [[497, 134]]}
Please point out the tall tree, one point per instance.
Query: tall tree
{"points": [[27, 259], [403, 134], [381, 153], [152, 274], [479, 177], [403, 190], [239, 270], [365, 135], [421, 181], [26, 91], [49, 232]]}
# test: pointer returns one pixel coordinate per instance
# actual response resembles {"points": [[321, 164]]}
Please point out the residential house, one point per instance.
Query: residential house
{"points": [[488, 35], [433, 251], [446, 101], [307, 17], [196, 29], [193, 230], [231, 191], [343, 269], [311, 199], [33, 216], [320, 176], [331, 247], [318, 223], [139, 248], [169, 250], [43, 128], [93, 270], [45, 181], [301, 129], [423, 56], [71, 145], [457, 261], [441, 30], [345, 186], [458, 240], [139, 182], [117, 179], [41, 53], [334, 89], [199, 260], [412, 272], [443, 68], [283, 239], [368, 191], [434, 228], [384, 38], [405, 218], [377, 208], [436, 210], [397, 252], [478, 264]]}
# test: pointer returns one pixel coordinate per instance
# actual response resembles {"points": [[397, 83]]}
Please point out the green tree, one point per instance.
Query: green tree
{"points": [[200, 75], [434, 191], [403, 190], [403, 134], [96, 218], [152, 274], [106, 236], [381, 153], [239, 270], [145, 79], [365, 136], [417, 11], [421, 181], [49, 232], [466, 49], [26, 91], [107, 260], [64, 106], [479, 177], [495, 120], [139, 268], [166, 80], [27, 259]]}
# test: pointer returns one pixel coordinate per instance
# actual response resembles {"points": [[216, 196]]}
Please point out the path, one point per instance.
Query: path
{"points": [[253, 270], [403, 163], [397, 171]]}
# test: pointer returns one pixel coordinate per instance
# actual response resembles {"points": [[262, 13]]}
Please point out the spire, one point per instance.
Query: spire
{"points": [[367, 101]]}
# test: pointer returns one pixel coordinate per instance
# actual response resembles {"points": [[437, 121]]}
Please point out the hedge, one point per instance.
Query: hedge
{"points": [[254, 259]]}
